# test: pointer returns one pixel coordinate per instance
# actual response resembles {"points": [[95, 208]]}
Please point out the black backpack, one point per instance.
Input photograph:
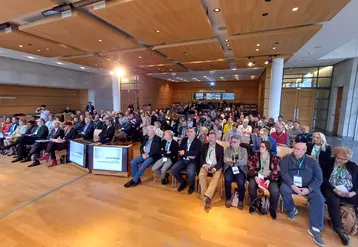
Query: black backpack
{"points": [[261, 204]]}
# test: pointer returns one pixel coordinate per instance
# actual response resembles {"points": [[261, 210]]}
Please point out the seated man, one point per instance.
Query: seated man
{"points": [[302, 175], [183, 129], [189, 151], [56, 132], [305, 136], [211, 161], [107, 131], [294, 131], [77, 124], [60, 143], [87, 130], [38, 133], [281, 138], [158, 131], [169, 155], [50, 122], [97, 122], [245, 128], [263, 136], [233, 132], [149, 153]]}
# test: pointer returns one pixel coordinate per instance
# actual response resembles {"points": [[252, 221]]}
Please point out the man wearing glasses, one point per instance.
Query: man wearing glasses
{"points": [[302, 176]]}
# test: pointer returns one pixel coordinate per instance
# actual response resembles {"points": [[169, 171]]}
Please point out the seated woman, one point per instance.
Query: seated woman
{"points": [[60, 143], [203, 136], [319, 149], [11, 139], [235, 169], [340, 185], [265, 166]]}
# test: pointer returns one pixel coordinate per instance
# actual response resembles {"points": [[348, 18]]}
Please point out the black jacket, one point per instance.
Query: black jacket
{"points": [[323, 157], [194, 149], [70, 135], [154, 147], [328, 169], [107, 132], [88, 133], [42, 133], [173, 149], [56, 134], [219, 153]]}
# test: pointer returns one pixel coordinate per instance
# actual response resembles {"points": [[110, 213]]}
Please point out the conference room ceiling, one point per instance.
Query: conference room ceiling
{"points": [[167, 36]]}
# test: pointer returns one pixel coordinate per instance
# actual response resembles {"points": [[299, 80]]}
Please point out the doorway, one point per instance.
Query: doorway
{"points": [[337, 114]]}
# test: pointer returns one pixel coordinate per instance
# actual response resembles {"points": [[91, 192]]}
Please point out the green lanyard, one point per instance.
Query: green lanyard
{"points": [[210, 152], [188, 143], [235, 156], [340, 171], [167, 145], [300, 165], [317, 151], [262, 165]]}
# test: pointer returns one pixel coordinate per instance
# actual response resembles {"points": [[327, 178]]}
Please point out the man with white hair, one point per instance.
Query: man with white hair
{"points": [[301, 175], [245, 128], [149, 153]]}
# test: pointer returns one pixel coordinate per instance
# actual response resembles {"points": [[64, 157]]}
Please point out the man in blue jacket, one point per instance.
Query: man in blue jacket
{"points": [[263, 136], [302, 175]]}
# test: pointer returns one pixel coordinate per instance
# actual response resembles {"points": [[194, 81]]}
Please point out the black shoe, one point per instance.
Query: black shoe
{"points": [[206, 203], [181, 187], [343, 236], [273, 214], [17, 160], [136, 183], [129, 183], [228, 203], [252, 210], [191, 190], [27, 159], [240, 205], [35, 163], [165, 180]]}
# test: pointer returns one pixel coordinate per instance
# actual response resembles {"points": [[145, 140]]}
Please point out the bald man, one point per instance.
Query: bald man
{"points": [[302, 176]]}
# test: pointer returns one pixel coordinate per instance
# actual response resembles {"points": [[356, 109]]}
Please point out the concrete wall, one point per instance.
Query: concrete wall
{"points": [[345, 75]]}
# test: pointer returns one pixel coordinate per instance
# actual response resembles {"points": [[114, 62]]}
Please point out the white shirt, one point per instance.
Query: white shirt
{"points": [[246, 129], [159, 133], [315, 152], [211, 156]]}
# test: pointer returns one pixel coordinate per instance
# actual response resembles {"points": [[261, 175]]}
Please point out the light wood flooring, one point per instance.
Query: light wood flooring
{"points": [[41, 207]]}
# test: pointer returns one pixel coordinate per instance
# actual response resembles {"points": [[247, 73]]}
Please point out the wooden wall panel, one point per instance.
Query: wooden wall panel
{"points": [[83, 99], [25, 99], [245, 91], [261, 96], [155, 91]]}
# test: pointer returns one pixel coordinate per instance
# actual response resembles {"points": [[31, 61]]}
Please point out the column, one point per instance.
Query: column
{"points": [[275, 88], [116, 91]]}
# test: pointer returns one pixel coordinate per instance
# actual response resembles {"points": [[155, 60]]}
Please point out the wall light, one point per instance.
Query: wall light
{"points": [[120, 72], [295, 9], [217, 10]]}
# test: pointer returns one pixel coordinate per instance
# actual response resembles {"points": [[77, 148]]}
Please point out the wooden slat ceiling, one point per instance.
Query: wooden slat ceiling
{"points": [[11, 9], [89, 60], [242, 16], [282, 41], [259, 61], [193, 51], [208, 65], [163, 68], [176, 20], [23, 42], [80, 31], [137, 57]]}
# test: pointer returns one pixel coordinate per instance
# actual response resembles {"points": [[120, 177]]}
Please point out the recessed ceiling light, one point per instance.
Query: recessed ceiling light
{"points": [[234, 69], [100, 40], [31, 57], [157, 31], [139, 57], [228, 45], [295, 9], [227, 40], [265, 14], [59, 63], [274, 48], [217, 10], [20, 46], [38, 50], [250, 64], [82, 68], [47, 49], [257, 44], [257, 49], [266, 62]]}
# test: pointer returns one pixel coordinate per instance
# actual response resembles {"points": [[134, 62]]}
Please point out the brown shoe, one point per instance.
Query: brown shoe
{"points": [[228, 204], [240, 205], [206, 203]]}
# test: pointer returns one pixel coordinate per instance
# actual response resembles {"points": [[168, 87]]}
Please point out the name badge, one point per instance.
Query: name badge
{"points": [[165, 159], [235, 170], [261, 176], [297, 180]]}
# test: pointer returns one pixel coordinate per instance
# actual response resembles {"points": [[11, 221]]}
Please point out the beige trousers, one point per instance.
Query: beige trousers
{"points": [[208, 191]]}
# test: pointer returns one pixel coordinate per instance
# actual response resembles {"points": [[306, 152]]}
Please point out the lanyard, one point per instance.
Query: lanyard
{"points": [[183, 131], [300, 165], [306, 135], [167, 145], [317, 151], [210, 152], [278, 137], [235, 155], [340, 171], [188, 144]]}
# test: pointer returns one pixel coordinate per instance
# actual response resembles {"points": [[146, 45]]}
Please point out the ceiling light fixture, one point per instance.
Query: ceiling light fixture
{"points": [[217, 10], [120, 72], [31, 57], [139, 57], [20, 46], [228, 45], [295, 9], [82, 68], [258, 45], [250, 64], [157, 31], [257, 49], [47, 49], [227, 40], [111, 73], [100, 40], [274, 48], [38, 50], [59, 63], [266, 62]]}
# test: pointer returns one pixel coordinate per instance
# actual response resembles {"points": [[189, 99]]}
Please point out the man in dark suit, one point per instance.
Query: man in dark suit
{"points": [[189, 151], [89, 107], [107, 131], [38, 133], [149, 153], [87, 130], [39, 145], [183, 129], [211, 162], [169, 155]]}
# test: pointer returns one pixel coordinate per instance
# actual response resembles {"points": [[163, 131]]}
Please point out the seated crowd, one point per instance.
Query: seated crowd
{"points": [[218, 140]]}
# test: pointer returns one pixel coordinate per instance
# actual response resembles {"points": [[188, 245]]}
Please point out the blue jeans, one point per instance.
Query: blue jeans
{"points": [[145, 163], [315, 199], [190, 166]]}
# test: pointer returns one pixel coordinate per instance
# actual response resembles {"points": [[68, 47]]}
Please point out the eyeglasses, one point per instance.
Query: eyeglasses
{"points": [[343, 159], [262, 147], [233, 142]]}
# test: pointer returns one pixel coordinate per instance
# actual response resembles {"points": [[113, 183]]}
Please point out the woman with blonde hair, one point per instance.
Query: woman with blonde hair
{"points": [[340, 185], [203, 136], [319, 149], [146, 121]]}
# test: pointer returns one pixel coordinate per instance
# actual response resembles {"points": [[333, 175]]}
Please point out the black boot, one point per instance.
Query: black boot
{"points": [[343, 236], [129, 183], [27, 159], [273, 213], [181, 187], [17, 159], [165, 180], [35, 163]]}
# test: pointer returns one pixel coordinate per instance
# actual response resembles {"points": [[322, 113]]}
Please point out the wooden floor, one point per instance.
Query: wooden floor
{"points": [[97, 211]]}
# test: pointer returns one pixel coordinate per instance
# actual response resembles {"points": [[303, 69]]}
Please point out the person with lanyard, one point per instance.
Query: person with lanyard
{"points": [[319, 149], [15, 123], [50, 122], [43, 112], [149, 154], [189, 151], [211, 162], [280, 136], [233, 132], [340, 185], [263, 136], [235, 170], [264, 169], [301, 175], [168, 155], [203, 136], [183, 129], [305, 135]]}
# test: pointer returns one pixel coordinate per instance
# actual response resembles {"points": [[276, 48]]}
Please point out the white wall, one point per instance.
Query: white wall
{"points": [[344, 75], [19, 72]]}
